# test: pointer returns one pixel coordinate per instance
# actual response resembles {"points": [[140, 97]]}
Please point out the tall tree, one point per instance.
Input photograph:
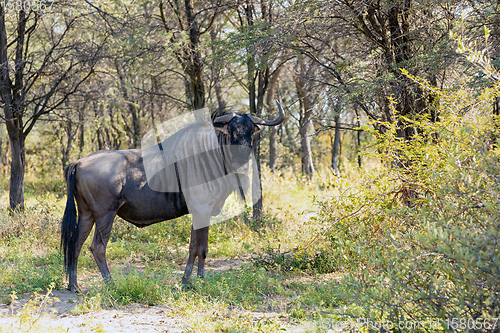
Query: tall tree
{"points": [[307, 95], [188, 19], [256, 39], [39, 70], [251, 46], [336, 145], [273, 131], [363, 44], [216, 68], [486, 15]]}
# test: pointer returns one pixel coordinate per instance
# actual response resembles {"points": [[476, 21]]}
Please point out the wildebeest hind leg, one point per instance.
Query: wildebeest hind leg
{"points": [[101, 238], [85, 224]]}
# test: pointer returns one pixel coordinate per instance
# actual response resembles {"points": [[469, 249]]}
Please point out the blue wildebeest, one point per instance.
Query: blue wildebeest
{"points": [[113, 182]]}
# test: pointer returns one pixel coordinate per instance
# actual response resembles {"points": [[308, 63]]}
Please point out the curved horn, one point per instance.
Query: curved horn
{"points": [[224, 119], [279, 120]]}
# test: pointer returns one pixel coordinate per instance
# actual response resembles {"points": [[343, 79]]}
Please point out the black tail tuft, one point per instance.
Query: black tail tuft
{"points": [[69, 226]]}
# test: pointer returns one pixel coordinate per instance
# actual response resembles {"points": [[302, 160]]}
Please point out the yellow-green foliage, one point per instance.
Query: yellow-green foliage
{"points": [[33, 316], [415, 237], [421, 237]]}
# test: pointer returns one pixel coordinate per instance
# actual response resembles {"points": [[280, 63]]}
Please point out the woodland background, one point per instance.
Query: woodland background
{"points": [[385, 172]]}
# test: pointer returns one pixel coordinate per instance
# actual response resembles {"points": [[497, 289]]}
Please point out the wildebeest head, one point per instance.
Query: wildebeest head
{"points": [[236, 132]]}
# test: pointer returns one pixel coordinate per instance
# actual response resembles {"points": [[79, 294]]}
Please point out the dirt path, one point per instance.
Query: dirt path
{"points": [[131, 318]]}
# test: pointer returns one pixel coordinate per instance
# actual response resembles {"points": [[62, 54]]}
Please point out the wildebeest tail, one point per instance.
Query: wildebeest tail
{"points": [[69, 226]]}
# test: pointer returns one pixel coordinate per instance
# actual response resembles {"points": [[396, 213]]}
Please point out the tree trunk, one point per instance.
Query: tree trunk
{"points": [[4, 152], [66, 148], [256, 101], [216, 73], [17, 168], [358, 137], [194, 66], [290, 143], [305, 143], [101, 141], [336, 147], [13, 98], [262, 84], [113, 136], [305, 96], [135, 131], [304, 129], [218, 93], [273, 148], [273, 135], [81, 129]]}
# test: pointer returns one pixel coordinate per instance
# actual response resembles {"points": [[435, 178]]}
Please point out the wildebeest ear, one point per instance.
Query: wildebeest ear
{"points": [[257, 128], [223, 129]]}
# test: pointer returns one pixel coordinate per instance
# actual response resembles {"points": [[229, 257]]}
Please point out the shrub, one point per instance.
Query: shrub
{"points": [[422, 239]]}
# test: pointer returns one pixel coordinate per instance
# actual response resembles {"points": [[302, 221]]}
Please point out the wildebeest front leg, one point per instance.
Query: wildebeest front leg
{"points": [[202, 250], [198, 247]]}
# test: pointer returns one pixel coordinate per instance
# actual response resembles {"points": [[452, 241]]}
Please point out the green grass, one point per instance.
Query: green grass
{"points": [[291, 289], [221, 302], [415, 238], [144, 261]]}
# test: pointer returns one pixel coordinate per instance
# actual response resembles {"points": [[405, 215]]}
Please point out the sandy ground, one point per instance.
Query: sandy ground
{"points": [[131, 318]]}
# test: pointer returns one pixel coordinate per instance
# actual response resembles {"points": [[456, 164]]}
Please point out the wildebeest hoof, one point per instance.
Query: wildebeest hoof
{"points": [[186, 284], [108, 281], [187, 287]]}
